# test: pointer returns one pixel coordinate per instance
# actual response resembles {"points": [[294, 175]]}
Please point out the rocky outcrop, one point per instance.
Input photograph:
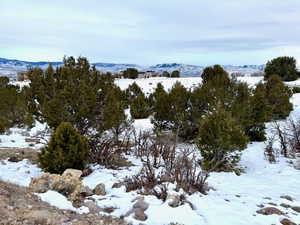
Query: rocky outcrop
{"points": [[19, 206], [270, 211], [138, 209], [100, 189], [173, 200], [68, 184], [286, 221], [287, 197]]}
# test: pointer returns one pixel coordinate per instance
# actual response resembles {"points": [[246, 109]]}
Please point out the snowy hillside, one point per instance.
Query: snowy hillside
{"points": [[11, 67], [232, 200]]}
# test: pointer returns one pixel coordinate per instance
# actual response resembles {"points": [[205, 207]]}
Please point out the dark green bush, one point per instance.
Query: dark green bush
{"points": [[220, 135], [66, 149], [13, 106], [296, 90], [285, 67], [139, 108]]}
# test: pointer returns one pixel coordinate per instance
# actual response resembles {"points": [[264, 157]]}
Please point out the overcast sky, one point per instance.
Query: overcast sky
{"points": [[200, 32]]}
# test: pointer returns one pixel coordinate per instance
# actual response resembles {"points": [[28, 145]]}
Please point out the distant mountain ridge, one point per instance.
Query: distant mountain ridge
{"points": [[10, 67]]}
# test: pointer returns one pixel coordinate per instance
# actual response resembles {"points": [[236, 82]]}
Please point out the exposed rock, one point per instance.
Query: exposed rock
{"points": [[64, 184], [286, 221], [139, 214], [100, 189], [18, 206], [138, 209], [14, 158], [173, 200], [108, 209], [68, 184], [270, 211], [80, 193], [41, 184], [287, 197], [285, 205], [118, 185], [93, 207], [141, 204], [73, 173], [297, 164], [296, 208]]}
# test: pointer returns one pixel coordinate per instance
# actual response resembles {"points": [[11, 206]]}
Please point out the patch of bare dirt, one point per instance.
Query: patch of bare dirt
{"points": [[18, 206]]}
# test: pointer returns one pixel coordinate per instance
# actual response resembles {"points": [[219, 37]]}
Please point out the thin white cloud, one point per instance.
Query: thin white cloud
{"points": [[148, 32]]}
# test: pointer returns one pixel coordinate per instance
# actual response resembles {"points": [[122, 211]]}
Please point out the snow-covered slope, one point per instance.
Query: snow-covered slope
{"points": [[233, 200], [11, 67]]}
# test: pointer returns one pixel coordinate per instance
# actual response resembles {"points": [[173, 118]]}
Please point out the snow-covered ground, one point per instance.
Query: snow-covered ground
{"points": [[16, 137], [148, 85], [233, 200]]}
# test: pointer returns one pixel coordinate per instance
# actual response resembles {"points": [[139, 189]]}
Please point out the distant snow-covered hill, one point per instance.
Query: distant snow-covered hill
{"points": [[10, 67]]}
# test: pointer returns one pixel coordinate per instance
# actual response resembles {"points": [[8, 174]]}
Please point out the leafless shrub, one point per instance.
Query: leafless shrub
{"points": [[288, 135], [105, 151], [161, 165], [270, 152], [282, 136], [294, 138], [187, 175], [154, 150]]}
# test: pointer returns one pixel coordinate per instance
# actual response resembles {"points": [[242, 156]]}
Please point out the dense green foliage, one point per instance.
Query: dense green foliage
{"points": [[132, 92], [191, 113], [219, 136], [278, 97], [221, 115], [131, 73], [285, 67], [175, 73], [114, 117], [75, 93], [66, 149], [139, 107], [166, 74], [13, 106]]}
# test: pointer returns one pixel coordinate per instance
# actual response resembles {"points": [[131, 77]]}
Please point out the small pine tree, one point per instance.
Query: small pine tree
{"points": [[139, 108], [215, 74], [220, 135], [132, 92], [278, 96], [260, 111], [175, 73], [131, 73], [114, 117], [13, 106], [66, 149], [285, 67], [161, 109], [178, 100], [166, 74]]}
